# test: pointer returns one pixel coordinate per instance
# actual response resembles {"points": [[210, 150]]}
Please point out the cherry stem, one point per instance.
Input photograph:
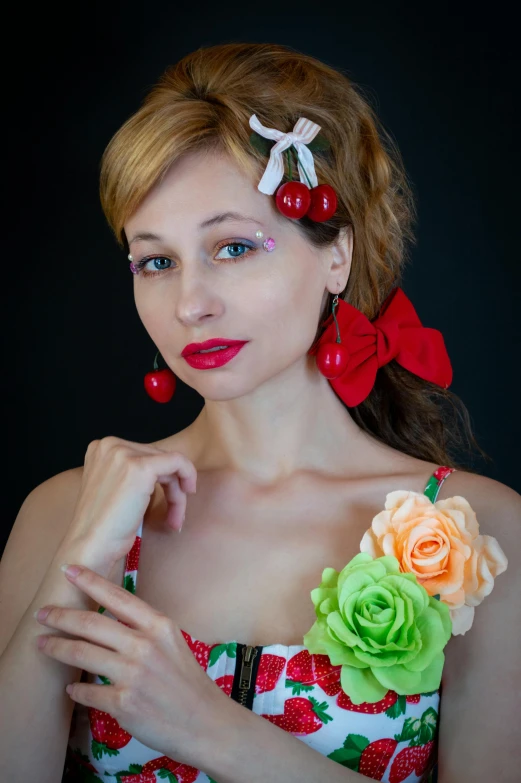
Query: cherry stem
{"points": [[290, 173], [156, 365], [335, 305], [304, 170]]}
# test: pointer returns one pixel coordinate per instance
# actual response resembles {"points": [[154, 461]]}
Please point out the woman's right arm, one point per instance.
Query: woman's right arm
{"points": [[93, 523], [35, 710]]}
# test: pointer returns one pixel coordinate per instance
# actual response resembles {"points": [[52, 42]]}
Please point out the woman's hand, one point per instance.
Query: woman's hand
{"points": [[158, 692], [119, 480]]}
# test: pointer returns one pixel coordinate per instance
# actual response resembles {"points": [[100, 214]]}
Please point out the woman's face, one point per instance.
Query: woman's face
{"points": [[216, 280]]}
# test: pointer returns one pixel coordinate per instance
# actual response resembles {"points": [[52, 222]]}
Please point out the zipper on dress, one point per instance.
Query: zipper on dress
{"points": [[243, 688]]}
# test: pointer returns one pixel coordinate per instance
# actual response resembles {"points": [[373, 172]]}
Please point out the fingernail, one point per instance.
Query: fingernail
{"points": [[41, 614], [71, 571]]}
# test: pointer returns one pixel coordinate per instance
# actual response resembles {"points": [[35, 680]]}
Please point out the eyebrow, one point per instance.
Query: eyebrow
{"points": [[215, 220]]}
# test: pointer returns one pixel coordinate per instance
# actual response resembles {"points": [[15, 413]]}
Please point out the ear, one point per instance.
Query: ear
{"points": [[340, 261]]}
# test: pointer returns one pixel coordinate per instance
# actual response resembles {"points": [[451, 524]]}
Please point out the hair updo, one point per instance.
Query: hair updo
{"points": [[204, 102]]}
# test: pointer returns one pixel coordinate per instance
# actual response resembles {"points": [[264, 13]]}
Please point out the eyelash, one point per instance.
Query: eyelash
{"points": [[141, 264]]}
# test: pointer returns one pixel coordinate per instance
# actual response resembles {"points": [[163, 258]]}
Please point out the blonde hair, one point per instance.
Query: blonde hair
{"points": [[204, 102]]}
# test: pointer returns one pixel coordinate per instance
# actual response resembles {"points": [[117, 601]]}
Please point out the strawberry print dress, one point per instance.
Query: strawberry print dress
{"points": [[392, 740]]}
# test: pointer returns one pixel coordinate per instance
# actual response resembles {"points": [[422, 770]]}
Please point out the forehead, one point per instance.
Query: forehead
{"points": [[196, 186]]}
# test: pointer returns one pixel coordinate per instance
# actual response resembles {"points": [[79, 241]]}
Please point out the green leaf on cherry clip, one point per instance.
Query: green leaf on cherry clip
{"points": [[319, 144], [261, 144]]}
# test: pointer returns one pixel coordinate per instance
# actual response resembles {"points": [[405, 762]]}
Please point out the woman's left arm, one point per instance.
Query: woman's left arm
{"points": [[480, 737], [253, 749]]}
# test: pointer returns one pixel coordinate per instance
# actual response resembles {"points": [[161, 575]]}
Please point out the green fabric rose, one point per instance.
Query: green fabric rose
{"points": [[382, 626]]}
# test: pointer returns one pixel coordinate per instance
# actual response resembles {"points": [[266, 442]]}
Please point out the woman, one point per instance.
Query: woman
{"points": [[323, 466]]}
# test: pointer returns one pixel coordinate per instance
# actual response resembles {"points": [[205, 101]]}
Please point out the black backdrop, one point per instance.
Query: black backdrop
{"points": [[443, 81]]}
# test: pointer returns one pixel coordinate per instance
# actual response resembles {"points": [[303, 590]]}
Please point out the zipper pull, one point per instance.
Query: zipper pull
{"points": [[248, 656]]}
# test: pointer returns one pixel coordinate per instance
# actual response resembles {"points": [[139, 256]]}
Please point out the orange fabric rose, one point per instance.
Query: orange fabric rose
{"points": [[441, 544]]}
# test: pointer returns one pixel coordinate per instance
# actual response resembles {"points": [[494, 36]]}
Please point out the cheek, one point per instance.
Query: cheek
{"points": [[285, 324], [151, 315]]}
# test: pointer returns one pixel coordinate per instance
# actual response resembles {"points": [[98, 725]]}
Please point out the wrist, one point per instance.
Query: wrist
{"points": [[83, 552], [224, 738]]}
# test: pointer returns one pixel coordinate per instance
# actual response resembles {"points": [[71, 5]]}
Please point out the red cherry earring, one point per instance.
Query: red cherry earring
{"points": [[160, 384], [333, 358]]}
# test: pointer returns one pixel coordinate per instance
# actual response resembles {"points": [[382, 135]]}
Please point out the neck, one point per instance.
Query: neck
{"points": [[284, 427]]}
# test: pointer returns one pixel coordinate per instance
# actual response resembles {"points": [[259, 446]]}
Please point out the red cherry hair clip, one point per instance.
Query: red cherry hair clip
{"points": [[294, 199]]}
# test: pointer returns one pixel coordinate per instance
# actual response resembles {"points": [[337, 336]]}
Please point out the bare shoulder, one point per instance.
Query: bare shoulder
{"points": [[497, 506], [484, 490], [46, 510]]}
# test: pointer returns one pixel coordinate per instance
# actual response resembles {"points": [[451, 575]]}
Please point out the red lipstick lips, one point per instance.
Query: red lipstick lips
{"points": [[217, 358]]}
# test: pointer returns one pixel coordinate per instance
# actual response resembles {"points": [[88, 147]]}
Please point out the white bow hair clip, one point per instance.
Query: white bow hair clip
{"points": [[295, 199]]}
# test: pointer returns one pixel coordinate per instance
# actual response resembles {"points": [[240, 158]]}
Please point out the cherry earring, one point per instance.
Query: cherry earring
{"points": [[160, 384], [333, 358]]}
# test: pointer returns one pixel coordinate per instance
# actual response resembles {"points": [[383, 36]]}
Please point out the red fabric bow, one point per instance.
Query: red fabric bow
{"points": [[397, 333]]}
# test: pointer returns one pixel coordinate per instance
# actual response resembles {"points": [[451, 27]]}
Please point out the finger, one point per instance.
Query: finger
{"points": [[175, 460], [184, 468], [93, 626], [123, 604], [100, 697], [177, 466], [176, 501], [83, 655]]}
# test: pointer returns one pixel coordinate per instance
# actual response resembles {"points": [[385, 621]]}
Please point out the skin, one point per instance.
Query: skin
{"points": [[269, 416]]}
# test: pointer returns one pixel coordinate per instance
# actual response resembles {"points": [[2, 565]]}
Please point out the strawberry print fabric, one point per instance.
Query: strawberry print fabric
{"points": [[392, 740]]}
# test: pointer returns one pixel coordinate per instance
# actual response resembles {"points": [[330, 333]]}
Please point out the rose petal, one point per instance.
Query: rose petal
{"points": [[459, 503], [399, 679], [361, 685], [462, 619], [433, 636], [491, 561], [342, 634], [370, 545], [454, 600], [451, 580], [388, 544], [414, 506], [395, 499], [381, 524]]}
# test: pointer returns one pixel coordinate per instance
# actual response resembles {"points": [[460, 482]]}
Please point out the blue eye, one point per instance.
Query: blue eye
{"points": [[237, 250], [140, 266]]}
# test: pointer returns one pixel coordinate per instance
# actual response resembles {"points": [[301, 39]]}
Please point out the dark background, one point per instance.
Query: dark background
{"points": [[444, 82]]}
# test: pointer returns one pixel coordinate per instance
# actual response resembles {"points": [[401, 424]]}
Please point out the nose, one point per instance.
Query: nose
{"points": [[197, 302]]}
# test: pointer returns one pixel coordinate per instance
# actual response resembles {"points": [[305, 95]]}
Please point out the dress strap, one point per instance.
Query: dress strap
{"points": [[435, 482]]}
